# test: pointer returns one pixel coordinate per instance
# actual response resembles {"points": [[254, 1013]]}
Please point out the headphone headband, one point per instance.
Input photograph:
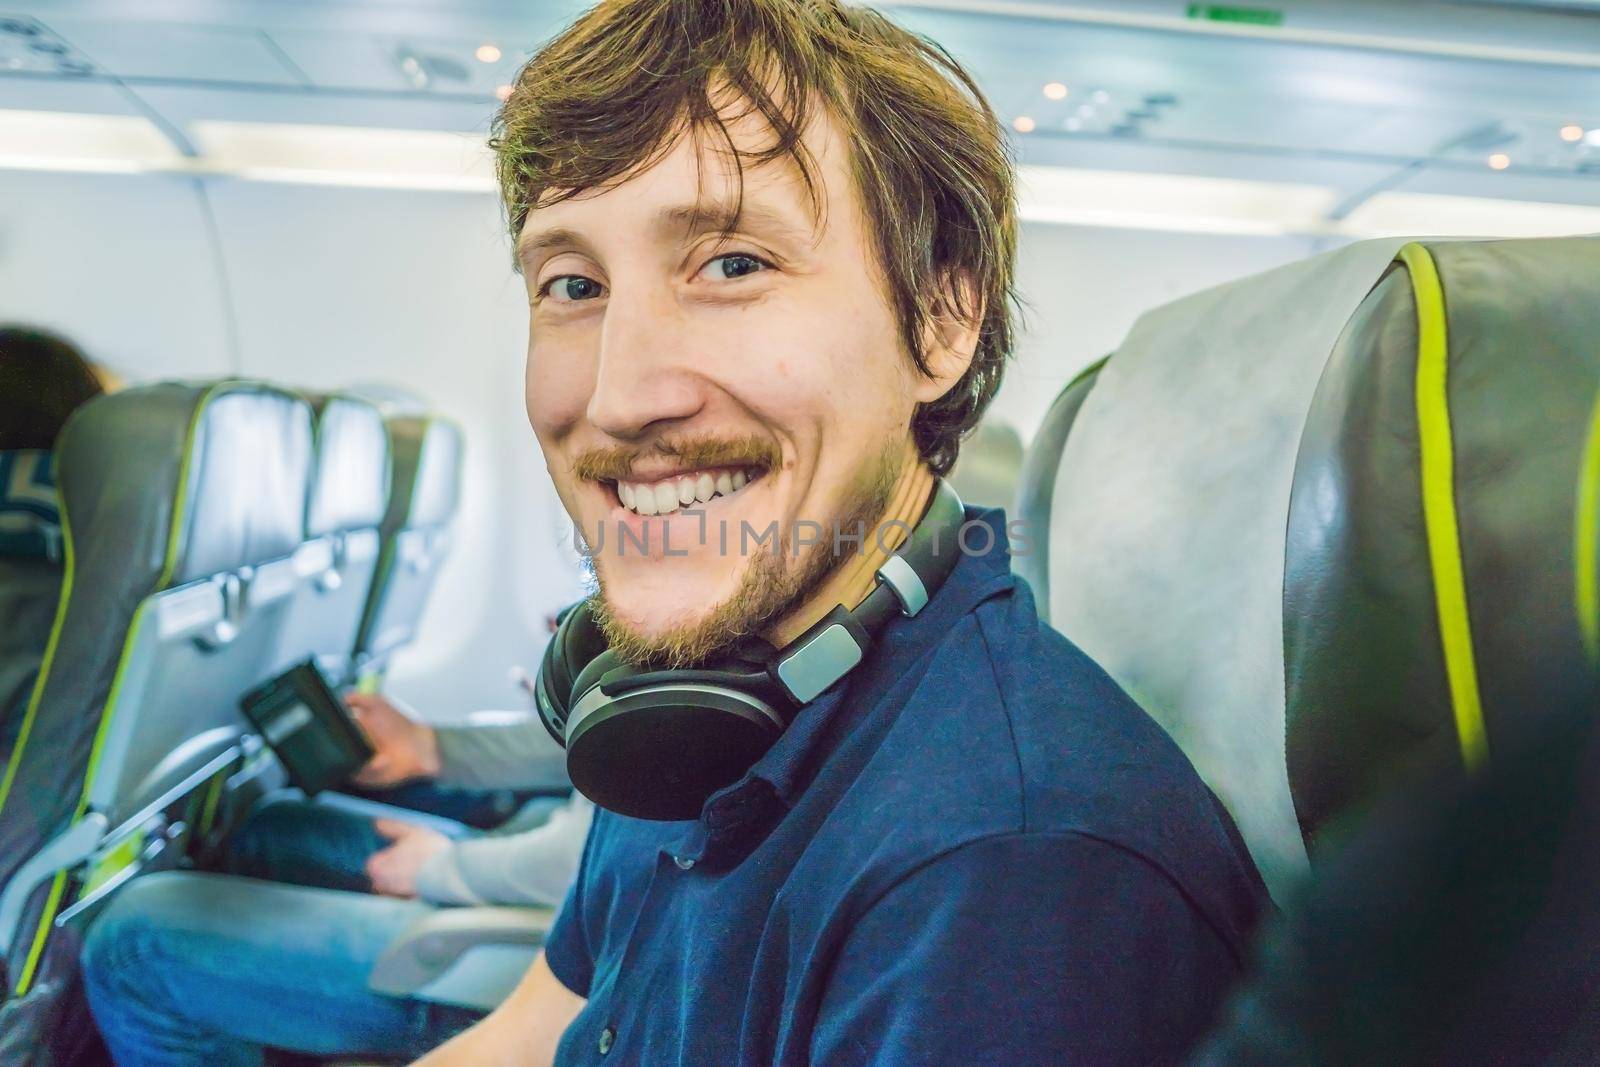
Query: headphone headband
{"points": [[840, 640]]}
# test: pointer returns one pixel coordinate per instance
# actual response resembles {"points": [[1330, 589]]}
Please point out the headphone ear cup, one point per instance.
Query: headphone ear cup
{"points": [[656, 744], [576, 643]]}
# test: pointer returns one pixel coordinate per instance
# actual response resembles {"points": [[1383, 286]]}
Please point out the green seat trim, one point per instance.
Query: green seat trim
{"points": [[1586, 540], [212, 801], [1439, 503]]}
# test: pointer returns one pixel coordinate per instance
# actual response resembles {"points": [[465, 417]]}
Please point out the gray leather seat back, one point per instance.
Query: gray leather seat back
{"points": [[32, 558], [337, 563], [182, 505], [1238, 528], [424, 490]]}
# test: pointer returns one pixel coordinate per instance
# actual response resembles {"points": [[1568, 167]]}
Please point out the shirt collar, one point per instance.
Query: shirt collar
{"points": [[983, 571]]}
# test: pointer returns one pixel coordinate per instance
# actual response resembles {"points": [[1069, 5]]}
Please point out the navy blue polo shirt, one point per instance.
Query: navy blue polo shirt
{"points": [[974, 849]]}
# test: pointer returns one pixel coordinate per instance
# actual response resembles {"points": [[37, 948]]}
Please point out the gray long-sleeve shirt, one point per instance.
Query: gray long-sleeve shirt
{"points": [[533, 857], [509, 866], [508, 750]]}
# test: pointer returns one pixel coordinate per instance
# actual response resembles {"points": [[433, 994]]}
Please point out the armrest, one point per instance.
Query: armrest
{"points": [[471, 957]]}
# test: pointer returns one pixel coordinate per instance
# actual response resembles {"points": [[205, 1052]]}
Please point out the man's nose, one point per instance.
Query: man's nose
{"points": [[646, 373]]}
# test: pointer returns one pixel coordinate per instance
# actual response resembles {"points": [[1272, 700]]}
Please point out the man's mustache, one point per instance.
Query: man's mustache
{"points": [[615, 463]]}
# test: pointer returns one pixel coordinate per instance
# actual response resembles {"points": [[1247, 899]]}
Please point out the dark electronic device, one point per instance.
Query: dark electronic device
{"points": [[305, 723]]}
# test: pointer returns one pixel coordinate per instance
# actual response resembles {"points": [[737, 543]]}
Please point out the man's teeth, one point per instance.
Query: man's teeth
{"points": [[663, 498]]}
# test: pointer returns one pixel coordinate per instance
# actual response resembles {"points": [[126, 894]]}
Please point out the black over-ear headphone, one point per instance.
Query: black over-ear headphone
{"points": [[654, 744]]}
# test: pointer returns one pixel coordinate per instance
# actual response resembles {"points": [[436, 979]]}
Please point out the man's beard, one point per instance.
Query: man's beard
{"points": [[770, 589]]}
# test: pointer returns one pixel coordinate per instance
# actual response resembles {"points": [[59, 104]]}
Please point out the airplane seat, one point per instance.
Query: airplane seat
{"points": [[1320, 522], [425, 457], [1036, 484], [349, 494], [31, 567], [182, 506]]}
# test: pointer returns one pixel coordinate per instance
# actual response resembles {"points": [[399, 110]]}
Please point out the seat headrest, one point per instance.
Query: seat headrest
{"points": [[179, 481], [30, 514], [350, 483], [1242, 535], [426, 455]]}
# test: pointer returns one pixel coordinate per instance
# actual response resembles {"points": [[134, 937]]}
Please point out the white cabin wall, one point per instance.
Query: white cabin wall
{"points": [[333, 286], [120, 264]]}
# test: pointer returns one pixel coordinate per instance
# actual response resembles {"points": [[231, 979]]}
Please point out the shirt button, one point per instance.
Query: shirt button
{"points": [[607, 1036], [682, 863]]}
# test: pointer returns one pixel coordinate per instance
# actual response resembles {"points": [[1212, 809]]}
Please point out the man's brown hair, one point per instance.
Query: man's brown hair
{"points": [[612, 94]]}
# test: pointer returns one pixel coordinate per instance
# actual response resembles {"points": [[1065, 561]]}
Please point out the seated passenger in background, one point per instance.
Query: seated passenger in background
{"points": [[339, 842], [203, 968], [43, 379], [769, 250]]}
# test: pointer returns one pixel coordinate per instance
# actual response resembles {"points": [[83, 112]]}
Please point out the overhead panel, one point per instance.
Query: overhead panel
{"points": [[1566, 6], [376, 61], [343, 60], [28, 47], [176, 50], [1355, 98]]}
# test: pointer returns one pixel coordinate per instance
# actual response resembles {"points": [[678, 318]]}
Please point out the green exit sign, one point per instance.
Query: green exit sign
{"points": [[1254, 16]]}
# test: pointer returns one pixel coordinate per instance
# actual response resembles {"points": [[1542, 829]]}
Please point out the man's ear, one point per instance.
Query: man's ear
{"points": [[950, 336]]}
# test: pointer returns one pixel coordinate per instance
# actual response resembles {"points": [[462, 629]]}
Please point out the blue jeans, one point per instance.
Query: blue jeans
{"points": [[324, 843], [481, 809], [186, 969]]}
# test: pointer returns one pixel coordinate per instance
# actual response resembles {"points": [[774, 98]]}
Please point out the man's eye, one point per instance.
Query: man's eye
{"points": [[735, 265], [569, 288]]}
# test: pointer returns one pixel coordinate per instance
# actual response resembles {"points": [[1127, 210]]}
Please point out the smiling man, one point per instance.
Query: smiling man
{"points": [[769, 248]]}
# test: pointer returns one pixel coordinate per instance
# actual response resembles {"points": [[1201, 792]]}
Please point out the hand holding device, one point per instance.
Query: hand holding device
{"points": [[403, 748]]}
